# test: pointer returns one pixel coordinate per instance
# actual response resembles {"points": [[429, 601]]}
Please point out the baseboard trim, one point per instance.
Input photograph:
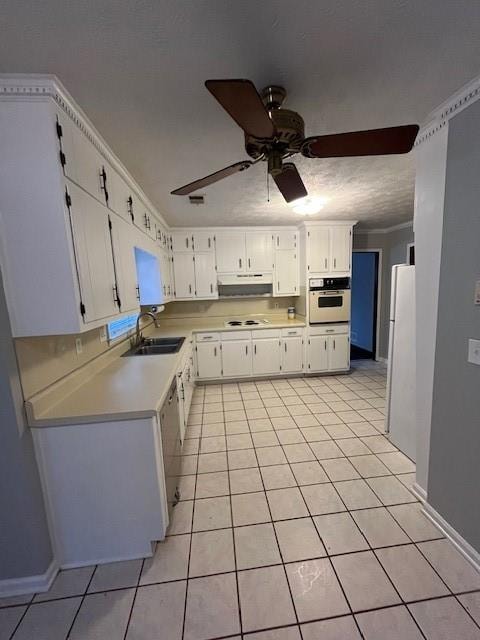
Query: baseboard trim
{"points": [[29, 584], [380, 359], [462, 546], [419, 492]]}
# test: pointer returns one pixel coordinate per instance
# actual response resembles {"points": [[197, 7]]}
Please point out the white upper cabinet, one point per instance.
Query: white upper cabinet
{"points": [[259, 251], [182, 241], [184, 269], [285, 240], [203, 241], [118, 194], [125, 266], [285, 281], [230, 249], [93, 249], [329, 249], [205, 275], [341, 249], [318, 250]]}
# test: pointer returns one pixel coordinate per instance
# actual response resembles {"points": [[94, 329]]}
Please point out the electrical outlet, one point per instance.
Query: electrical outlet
{"points": [[78, 346], [103, 334], [276, 305], [474, 351]]}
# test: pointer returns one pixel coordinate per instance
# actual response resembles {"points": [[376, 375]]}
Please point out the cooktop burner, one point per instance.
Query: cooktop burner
{"points": [[244, 323], [234, 323], [249, 322]]}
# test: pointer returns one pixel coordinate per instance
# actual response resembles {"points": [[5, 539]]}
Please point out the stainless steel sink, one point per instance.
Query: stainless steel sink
{"points": [[156, 346]]}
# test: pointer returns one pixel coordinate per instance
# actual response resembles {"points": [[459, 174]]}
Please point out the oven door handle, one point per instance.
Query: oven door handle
{"points": [[330, 293]]}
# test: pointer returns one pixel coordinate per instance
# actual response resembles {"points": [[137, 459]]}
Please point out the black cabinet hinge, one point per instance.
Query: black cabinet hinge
{"points": [[59, 129], [109, 223], [63, 160], [130, 208], [82, 309], [68, 199]]}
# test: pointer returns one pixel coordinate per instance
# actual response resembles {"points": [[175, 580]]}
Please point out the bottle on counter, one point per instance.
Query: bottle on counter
{"points": [[291, 313]]}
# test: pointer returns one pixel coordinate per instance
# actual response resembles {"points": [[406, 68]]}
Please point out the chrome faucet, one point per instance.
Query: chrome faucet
{"points": [[138, 334]]}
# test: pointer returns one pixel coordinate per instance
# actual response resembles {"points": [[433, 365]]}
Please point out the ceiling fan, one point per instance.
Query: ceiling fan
{"points": [[274, 134]]}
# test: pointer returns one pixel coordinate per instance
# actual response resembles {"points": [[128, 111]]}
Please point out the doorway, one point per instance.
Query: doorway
{"points": [[365, 301]]}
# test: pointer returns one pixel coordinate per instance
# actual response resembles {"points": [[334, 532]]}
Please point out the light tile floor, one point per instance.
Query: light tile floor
{"points": [[296, 523]]}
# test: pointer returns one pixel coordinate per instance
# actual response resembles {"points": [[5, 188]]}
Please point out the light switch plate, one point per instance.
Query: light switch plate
{"points": [[103, 334], [477, 292], [474, 351]]}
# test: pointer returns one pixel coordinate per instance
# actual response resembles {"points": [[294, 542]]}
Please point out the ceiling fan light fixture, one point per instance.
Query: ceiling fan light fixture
{"points": [[308, 206]]}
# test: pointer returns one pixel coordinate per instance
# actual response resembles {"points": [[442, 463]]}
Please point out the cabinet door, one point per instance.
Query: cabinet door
{"points": [[205, 275], [339, 352], [285, 240], [203, 241], [259, 251], [184, 272], [286, 273], [266, 356], [230, 249], [125, 265], [165, 274], [292, 354], [319, 250], [118, 193], [340, 238], [93, 249], [209, 361], [88, 165], [236, 358], [317, 353], [182, 241]]}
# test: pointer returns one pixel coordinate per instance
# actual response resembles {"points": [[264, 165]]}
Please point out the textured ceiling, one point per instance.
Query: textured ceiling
{"points": [[137, 69]]}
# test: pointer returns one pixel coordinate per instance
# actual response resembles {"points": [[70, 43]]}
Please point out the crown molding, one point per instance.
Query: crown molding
{"points": [[42, 87], [439, 117], [384, 230]]}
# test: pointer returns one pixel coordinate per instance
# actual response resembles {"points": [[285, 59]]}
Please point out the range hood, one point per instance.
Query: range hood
{"points": [[244, 278], [252, 285]]}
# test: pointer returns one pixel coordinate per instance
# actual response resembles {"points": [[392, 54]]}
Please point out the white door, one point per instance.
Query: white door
{"points": [[292, 354], [319, 250], [339, 352], [125, 265], [317, 353], [182, 241], [237, 358], [340, 238], [209, 361], [184, 272], [266, 356], [286, 273], [230, 250], [205, 275], [93, 249], [285, 240], [259, 251], [203, 241]]}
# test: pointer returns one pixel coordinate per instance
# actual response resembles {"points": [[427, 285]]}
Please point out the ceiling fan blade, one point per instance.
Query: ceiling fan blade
{"points": [[213, 177], [374, 142], [290, 183], [242, 102]]}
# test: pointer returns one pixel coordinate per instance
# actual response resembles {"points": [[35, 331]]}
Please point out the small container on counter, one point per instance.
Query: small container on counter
{"points": [[291, 313]]}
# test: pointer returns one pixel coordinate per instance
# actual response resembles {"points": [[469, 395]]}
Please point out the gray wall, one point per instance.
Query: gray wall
{"points": [[394, 246], [24, 540], [454, 477]]}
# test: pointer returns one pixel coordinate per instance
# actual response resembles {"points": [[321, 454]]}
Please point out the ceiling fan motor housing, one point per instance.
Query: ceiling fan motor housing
{"points": [[290, 134]]}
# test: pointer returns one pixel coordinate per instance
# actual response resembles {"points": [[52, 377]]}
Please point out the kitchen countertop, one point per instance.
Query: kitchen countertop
{"points": [[133, 387]]}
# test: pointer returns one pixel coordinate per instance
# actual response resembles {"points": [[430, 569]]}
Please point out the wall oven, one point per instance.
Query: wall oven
{"points": [[329, 300]]}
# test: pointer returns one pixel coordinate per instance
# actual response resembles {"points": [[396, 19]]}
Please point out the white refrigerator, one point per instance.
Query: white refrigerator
{"points": [[400, 416]]}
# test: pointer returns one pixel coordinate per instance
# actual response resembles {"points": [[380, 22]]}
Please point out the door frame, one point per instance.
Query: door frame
{"points": [[379, 293]]}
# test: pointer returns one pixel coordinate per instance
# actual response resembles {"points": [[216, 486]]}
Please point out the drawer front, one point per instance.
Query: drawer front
{"points": [[328, 329], [207, 337], [235, 335], [292, 332], [258, 334]]}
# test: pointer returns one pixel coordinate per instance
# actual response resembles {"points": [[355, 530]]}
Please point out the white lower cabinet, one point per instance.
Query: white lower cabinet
{"points": [[292, 354], [339, 352], [236, 358], [317, 353], [328, 348], [209, 359], [266, 356]]}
